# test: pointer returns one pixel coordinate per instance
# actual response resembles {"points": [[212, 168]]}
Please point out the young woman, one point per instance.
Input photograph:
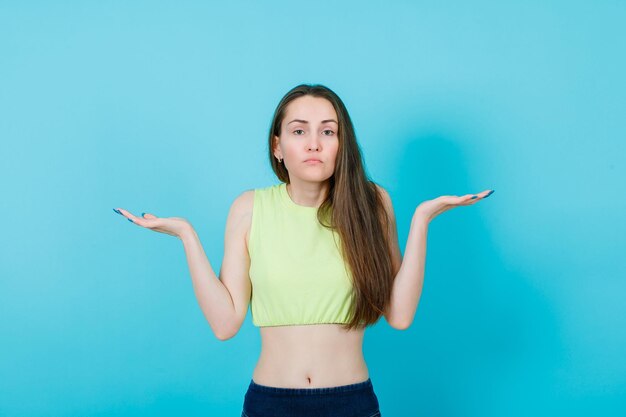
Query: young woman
{"points": [[317, 258]]}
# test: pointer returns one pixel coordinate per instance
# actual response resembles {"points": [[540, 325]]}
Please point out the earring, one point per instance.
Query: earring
{"points": [[280, 160]]}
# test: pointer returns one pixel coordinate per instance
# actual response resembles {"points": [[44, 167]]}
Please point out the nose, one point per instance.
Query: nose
{"points": [[313, 144]]}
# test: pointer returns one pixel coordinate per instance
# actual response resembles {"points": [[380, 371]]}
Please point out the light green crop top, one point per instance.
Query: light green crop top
{"points": [[297, 272]]}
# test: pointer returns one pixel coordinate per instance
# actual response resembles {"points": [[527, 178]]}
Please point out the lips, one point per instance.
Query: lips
{"points": [[312, 160]]}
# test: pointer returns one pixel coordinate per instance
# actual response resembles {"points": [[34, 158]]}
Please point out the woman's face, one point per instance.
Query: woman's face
{"points": [[308, 131]]}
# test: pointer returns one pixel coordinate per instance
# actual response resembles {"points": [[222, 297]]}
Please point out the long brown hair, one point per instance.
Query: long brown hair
{"points": [[355, 209]]}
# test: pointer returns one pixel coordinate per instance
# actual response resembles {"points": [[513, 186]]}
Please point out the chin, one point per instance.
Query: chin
{"points": [[315, 178]]}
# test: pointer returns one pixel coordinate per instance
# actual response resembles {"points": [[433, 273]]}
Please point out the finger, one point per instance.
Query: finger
{"points": [[468, 199], [483, 194], [148, 216], [488, 193], [457, 200], [131, 217], [463, 200], [122, 212]]}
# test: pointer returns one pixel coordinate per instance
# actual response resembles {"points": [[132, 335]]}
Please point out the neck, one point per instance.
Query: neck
{"points": [[310, 194]]}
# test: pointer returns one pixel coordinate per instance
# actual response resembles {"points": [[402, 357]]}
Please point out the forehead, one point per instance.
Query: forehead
{"points": [[310, 108]]}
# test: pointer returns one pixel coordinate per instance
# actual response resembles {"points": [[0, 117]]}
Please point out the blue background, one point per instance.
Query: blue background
{"points": [[165, 108]]}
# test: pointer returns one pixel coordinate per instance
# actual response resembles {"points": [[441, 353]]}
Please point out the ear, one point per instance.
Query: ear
{"points": [[275, 148]]}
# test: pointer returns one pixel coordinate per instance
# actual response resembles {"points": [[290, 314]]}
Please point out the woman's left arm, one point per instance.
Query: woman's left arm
{"points": [[409, 272]]}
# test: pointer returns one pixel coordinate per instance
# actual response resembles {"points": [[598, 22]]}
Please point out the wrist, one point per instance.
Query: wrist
{"points": [[188, 233], [421, 218]]}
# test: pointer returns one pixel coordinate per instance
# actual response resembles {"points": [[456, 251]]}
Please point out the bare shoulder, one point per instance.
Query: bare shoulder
{"points": [[244, 202], [241, 211]]}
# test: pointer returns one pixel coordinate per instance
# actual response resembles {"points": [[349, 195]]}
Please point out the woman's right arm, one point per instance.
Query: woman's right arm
{"points": [[224, 300]]}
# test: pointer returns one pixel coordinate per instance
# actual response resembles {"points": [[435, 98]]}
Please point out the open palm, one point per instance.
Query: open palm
{"points": [[430, 209], [174, 226]]}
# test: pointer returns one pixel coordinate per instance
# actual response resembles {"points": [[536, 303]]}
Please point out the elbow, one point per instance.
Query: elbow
{"points": [[403, 320], [224, 336], [225, 333], [403, 325], [395, 323]]}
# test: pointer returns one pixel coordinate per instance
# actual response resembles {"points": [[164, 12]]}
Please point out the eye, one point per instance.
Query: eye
{"points": [[298, 130], [331, 132]]}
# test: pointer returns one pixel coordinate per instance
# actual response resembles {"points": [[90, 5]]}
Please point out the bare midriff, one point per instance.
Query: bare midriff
{"points": [[310, 356]]}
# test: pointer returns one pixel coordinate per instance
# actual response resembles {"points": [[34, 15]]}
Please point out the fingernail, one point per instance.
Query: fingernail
{"points": [[130, 220], [142, 214], [473, 198], [117, 211], [490, 192]]}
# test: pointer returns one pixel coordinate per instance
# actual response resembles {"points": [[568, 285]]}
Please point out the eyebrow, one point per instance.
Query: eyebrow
{"points": [[305, 121]]}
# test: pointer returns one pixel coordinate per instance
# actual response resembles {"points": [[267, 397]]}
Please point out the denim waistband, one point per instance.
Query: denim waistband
{"points": [[364, 385]]}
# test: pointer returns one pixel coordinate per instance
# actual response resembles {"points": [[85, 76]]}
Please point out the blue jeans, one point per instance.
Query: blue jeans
{"points": [[354, 400]]}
